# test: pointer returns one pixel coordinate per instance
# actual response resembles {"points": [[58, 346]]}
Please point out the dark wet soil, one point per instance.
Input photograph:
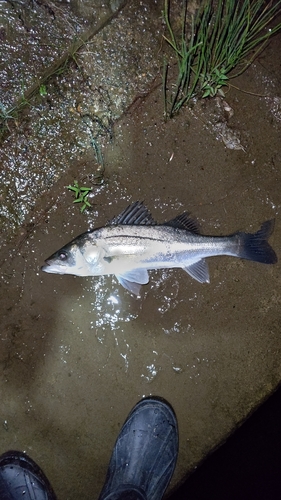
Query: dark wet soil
{"points": [[78, 353]]}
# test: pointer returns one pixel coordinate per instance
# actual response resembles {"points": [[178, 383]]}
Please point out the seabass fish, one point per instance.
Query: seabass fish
{"points": [[133, 242]]}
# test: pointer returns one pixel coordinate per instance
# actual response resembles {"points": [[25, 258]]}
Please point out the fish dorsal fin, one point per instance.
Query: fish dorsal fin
{"points": [[135, 214], [184, 221]]}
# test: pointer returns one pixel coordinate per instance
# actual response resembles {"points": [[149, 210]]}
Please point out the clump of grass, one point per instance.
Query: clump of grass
{"points": [[222, 36], [10, 115], [5, 116]]}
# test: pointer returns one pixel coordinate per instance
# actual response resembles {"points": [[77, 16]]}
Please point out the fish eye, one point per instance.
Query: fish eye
{"points": [[63, 256]]}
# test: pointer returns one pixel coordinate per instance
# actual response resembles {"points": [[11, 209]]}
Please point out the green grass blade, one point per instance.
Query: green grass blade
{"points": [[223, 35]]}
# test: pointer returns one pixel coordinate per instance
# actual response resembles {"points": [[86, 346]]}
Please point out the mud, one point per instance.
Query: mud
{"points": [[78, 353]]}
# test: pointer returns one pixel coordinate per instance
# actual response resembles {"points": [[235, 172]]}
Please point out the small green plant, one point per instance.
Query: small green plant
{"points": [[212, 84], [81, 195], [42, 90], [222, 36]]}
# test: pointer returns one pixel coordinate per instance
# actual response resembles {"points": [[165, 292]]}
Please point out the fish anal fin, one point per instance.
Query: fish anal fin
{"points": [[199, 271]]}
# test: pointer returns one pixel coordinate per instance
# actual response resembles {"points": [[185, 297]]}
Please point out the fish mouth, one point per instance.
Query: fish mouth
{"points": [[53, 268], [50, 268]]}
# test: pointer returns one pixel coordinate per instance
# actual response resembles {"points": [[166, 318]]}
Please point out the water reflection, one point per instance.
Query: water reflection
{"points": [[152, 371], [119, 325], [112, 305]]}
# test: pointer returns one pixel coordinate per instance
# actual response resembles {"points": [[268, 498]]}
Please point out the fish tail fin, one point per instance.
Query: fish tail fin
{"points": [[256, 247]]}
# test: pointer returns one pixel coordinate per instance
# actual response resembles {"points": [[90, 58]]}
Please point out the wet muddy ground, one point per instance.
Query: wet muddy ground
{"points": [[78, 353]]}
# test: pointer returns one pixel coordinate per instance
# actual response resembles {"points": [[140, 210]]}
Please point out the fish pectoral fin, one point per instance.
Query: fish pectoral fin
{"points": [[132, 280], [199, 271], [129, 285]]}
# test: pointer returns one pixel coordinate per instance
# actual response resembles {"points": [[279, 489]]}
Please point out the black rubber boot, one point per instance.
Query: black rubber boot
{"points": [[22, 479], [145, 453]]}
